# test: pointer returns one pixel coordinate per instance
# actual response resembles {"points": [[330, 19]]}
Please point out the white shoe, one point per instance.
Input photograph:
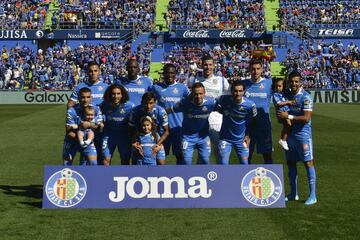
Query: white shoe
{"points": [[283, 144], [291, 198]]}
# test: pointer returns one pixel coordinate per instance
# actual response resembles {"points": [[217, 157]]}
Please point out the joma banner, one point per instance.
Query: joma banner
{"points": [[212, 186]]}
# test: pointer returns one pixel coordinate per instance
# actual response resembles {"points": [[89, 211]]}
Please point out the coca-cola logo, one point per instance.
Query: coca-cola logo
{"points": [[196, 34], [232, 34]]}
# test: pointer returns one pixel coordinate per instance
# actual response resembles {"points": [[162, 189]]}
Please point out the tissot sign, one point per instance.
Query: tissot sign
{"points": [[211, 33], [335, 32], [212, 186]]}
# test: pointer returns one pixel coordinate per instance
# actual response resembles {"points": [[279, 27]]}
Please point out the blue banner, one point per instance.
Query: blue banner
{"points": [[211, 186], [335, 32], [214, 33], [64, 34]]}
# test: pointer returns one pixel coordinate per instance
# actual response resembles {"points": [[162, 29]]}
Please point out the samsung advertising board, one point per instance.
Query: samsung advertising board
{"points": [[211, 33], [335, 33], [41, 97], [172, 186]]}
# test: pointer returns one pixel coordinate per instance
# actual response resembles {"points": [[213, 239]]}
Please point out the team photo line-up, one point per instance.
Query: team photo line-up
{"points": [[208, 113]]}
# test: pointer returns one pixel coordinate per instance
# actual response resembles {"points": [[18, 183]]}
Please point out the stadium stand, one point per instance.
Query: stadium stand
{"points": [[61, 67], [326, 65], [102, 14], [223, 14], [230, 61], [300, 16], [22, 14]]}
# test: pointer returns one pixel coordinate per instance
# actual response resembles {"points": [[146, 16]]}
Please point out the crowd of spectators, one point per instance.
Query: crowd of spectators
{"points": [[62, 68], [221, 14], [301, 15], [326, 65], [23, 14], [230, 61], [119, 14]]}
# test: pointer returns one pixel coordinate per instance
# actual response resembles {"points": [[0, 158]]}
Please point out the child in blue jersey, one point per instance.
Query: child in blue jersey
{"points": [[86, 136], [281, 104], [147, 151]]}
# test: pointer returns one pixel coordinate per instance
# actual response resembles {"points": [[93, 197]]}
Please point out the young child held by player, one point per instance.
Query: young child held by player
{"points": [[146, 150], [86, 136], [282, 105]]}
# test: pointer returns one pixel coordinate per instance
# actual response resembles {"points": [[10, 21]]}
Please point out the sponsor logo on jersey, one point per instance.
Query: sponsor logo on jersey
{"points": [[204, 109], [100, 88], [262, 86], [261, 187], [66, 188], [175, 91], [122, 111], [139, 82]]}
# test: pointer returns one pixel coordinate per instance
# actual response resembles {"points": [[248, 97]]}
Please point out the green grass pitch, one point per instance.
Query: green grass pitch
{"points": [[31, 137]]}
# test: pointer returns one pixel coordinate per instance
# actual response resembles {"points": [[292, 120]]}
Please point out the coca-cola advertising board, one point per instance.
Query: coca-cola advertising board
{"points": [[213, 33]]}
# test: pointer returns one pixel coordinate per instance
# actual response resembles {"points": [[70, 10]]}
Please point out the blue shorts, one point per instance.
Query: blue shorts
{"points": [[299, 150], [71, 147], [110, 142], [148, 160], [174, 141], [203, 146], [225, 149]]}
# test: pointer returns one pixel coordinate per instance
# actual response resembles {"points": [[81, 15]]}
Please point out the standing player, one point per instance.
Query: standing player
{"points": [[215, 86], [116, 110], [168, 93], [238, 122], [195, 127], [258, 89], [75, 118], [135, 85], [300, 138], [149, 108], [94, 84]]}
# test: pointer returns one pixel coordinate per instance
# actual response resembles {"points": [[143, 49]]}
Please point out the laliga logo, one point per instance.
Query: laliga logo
{"points": [[261, 187], [232, 34], [39, 34], [195, 187], [196, 34], [66, 188]]}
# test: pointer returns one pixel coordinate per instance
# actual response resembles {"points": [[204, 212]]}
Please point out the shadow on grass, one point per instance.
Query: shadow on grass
{"points": [[30, 191]]}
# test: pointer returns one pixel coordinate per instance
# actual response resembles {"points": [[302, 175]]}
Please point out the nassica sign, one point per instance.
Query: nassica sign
{"points": [[212, 186], [213, 33]]}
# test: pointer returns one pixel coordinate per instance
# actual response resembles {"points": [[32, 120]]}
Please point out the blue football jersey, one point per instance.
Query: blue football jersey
{"points": [[116, 118], [75, 115], [195, 123], [97, 92], [236, 118], [260, 94], [158, 114], [167, 96], [303, 102], [278, 98], [147, 141], [136, 88]]}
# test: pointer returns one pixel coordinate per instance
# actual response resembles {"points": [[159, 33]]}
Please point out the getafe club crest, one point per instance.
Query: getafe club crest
{"points": [[100, 88], [261, 187], [66, 188], [139, 82], [175, 91], [204, 109], [122, 111], [262, 86]]}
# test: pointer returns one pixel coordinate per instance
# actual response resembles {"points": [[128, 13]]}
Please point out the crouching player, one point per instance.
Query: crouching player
{"points": [[239, 115], [195, 127], [300, 138], [75, 119]]}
